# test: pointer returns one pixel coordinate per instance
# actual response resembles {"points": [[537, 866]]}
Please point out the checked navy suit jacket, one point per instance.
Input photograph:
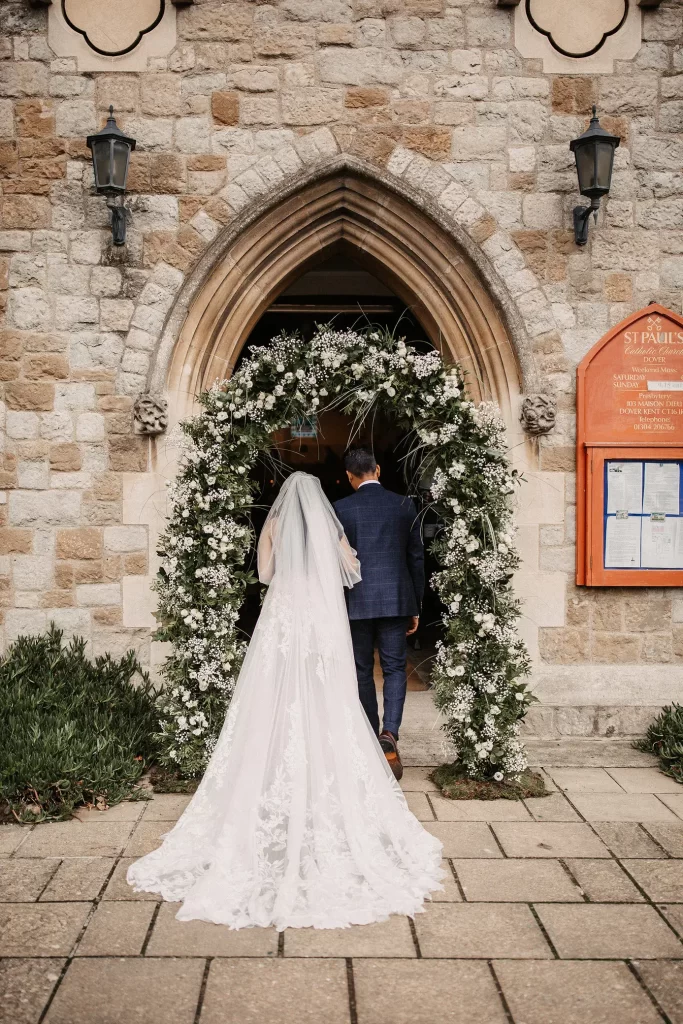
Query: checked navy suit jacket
{"points": [[384, 529]]}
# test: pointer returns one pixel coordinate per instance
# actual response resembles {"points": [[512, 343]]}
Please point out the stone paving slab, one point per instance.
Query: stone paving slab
{"points": [[627, 839], [175, 938], [567, 992], [416, 780], [147, 837], [665, 981], [480, 930], [22, 881], [385, 938], [555, 807], [26, 986], [119, 889], [78, 878], [479, 810], [582, 753], [128, 991], [11, 836], [451, 892], [117, 929], [40, 929], [128, 810], [464, 838], [516, 881], [604, 881], [277, 992], [166, 806], [420, 806], [74, 839], [586, 780], [673, 801], [662, 880], [670, 837], [549, 839], [639, 807], [644, 780], [426, 992], [674, 915], [595, 932]]}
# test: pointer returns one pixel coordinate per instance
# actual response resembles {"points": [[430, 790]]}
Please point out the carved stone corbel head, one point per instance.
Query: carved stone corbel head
{"points": [[150, 415], [538, 414]]}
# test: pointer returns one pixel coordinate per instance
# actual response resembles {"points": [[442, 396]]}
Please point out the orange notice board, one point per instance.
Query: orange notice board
{"points": [[630, 454]]}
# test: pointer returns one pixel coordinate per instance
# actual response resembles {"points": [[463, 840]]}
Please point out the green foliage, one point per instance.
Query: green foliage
{"points": [[74, 731], [665, 739]]}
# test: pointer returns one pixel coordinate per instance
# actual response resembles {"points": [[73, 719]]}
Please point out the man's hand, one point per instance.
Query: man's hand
{"points": [[414, 623]]}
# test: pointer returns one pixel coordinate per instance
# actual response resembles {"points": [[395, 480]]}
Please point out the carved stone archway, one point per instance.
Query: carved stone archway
{"points": [[382, 230]]}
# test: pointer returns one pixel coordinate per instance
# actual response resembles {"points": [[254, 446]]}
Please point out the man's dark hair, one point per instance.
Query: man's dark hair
{"points": [[360, 461]]}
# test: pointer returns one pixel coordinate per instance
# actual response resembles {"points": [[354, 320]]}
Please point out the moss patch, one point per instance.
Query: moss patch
{"points": [[163, 781], [455, 784]]}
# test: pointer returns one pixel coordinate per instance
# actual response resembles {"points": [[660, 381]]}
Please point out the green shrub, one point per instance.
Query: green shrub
{"points": [[665, 739], [74, 731]]}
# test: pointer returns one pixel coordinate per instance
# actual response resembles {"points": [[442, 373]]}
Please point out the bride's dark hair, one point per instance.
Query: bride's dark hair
{"points": [[360, 461]]}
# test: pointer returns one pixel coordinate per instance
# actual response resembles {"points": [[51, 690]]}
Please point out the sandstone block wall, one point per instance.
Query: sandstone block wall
{"points": [[431, 92]]}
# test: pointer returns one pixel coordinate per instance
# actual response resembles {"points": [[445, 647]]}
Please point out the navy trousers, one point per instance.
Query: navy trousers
{"points": [[388, 635]]}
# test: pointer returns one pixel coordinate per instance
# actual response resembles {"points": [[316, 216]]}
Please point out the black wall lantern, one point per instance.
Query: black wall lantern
{"points": [[594, 155], [111, 151]]}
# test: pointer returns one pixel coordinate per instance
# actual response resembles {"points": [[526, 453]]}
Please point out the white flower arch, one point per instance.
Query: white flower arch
{"points": [[478, 674]]}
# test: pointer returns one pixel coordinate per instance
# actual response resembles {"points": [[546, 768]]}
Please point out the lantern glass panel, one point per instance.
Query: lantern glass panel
{"points": [[605, 160], [585, 167], [101, 150], [120, 154]]}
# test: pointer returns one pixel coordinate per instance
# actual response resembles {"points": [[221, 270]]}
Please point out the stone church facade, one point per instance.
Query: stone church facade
{"points": [[431, 137]]}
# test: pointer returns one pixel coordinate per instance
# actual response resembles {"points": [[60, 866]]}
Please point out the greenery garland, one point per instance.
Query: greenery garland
{"points": [[479, 669]]}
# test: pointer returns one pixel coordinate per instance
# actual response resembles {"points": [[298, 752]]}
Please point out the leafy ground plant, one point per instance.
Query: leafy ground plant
{"points": [[75, 731], [664, 738]]}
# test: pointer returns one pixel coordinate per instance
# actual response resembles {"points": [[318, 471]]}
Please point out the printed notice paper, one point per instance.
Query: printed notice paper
{"points": [[622, 543], [662, 480], [625, 487], [662, 544]]}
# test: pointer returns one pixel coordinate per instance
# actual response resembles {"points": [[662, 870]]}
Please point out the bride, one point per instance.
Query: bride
{"points": [[298, 820]]}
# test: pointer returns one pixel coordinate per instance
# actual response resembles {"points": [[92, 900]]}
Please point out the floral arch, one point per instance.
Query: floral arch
{"points": [[478, 676]]}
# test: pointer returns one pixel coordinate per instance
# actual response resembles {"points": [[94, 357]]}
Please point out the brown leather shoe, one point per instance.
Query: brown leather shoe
{"points": [[387, 742]]}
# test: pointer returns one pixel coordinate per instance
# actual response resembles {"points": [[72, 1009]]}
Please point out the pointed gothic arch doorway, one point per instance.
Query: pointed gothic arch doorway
{"points": [[349, 215]]}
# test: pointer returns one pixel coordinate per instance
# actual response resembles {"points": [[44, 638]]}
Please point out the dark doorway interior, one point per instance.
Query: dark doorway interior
{"points": [[341, 292]]}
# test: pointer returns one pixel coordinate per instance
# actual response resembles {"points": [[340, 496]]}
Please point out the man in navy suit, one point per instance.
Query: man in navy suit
{"points": [[384, 608]]}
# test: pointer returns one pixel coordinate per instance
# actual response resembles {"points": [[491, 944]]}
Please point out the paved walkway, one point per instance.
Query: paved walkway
{"points": [[563, 910]]}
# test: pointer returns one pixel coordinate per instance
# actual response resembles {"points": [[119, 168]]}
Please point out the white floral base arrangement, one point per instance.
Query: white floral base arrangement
{"points": [[478, 675]]}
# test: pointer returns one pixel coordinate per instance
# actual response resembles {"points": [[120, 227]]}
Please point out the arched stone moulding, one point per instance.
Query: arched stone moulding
{"points": [[427, 259]]}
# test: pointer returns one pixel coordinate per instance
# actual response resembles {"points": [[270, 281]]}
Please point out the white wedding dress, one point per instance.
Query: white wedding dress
{"points": [[298, 820]]}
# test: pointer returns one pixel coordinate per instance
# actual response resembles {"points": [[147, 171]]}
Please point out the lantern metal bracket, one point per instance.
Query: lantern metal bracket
{"points": [[119, 215], [581, 218]]}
